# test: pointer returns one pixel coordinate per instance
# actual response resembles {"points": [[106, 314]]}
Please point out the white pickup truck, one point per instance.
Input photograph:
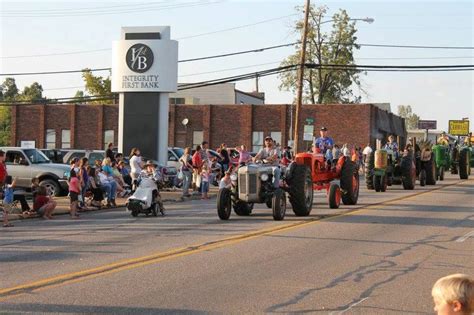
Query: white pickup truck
{"points": [[25, 163]]}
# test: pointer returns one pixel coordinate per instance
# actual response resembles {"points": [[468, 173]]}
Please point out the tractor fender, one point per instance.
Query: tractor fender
{"points": [[340, 164]]}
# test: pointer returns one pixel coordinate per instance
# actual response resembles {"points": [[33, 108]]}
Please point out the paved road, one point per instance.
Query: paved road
{"points": [[379, 257]]}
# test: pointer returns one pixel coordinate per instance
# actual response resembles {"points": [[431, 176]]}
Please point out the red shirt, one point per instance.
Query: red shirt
{"points": [[74, 185], [3, 172], [197, 161], [40, 201]]}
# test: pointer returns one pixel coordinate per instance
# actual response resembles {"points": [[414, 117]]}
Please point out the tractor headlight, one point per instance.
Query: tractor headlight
{"points": [[264, 177], [233, 177]]}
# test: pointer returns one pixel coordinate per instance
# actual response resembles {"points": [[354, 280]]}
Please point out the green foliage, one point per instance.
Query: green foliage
{"points": [[97, 86], [32, 93], [337, 47], [9, 90], [411, 119], [5, 124]]}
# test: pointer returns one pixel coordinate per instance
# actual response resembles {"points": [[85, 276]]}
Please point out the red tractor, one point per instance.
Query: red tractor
{"points": [[319, 175]]}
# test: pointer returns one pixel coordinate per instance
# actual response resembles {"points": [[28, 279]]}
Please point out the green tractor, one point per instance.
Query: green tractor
{"points": [[383, 168], [442, 158]]}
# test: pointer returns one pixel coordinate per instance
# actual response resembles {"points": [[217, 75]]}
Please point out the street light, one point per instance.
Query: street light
{"points": [[299, 92]]}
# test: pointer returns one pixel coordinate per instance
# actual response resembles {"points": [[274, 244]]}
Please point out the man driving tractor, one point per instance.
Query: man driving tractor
{"points": [[269, 155], [392, 145], [443, 139]]}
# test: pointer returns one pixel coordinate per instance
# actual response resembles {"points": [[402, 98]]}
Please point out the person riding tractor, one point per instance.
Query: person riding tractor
{"points": [[443, 139], [269, 155], [324, 144]]}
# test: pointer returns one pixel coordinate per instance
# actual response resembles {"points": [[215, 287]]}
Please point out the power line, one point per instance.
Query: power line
{"points": [[110, 12], [237, 27], [81, 9]]}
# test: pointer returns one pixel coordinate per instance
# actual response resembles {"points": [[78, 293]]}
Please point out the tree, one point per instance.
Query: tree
{"points": [[97, 86], [80, 96], [325, 85], [9, 90], [5, 124], [32, 93], [411, 119]]}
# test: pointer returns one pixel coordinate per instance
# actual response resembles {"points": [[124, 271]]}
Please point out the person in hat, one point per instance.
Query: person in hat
{"points": [[324, 142], [150, 171], [443, 139], [270, 155]]}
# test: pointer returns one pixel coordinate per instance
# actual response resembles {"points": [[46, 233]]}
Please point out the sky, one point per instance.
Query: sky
{"points": [[202, 29]]}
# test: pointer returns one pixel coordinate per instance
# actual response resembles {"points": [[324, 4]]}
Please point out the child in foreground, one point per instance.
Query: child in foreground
{"points": [[7, 199], [454, 294]]}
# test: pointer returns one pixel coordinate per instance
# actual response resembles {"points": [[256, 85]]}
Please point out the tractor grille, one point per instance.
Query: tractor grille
{"points": [[243, 183], [248, 183]]}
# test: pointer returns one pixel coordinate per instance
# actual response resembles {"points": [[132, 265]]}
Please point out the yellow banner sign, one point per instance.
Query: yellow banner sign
{"points": [[459, 127]]}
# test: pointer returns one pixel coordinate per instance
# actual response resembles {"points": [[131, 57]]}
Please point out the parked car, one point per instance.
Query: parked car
{"points": [[174, 154], [92, 155], [26, 163], [55, 155]]}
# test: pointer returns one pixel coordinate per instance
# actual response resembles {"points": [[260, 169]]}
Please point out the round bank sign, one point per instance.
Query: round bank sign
{"points": [[139, 58]]}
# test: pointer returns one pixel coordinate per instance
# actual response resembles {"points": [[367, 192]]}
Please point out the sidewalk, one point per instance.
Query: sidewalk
{"points": [[167, 196]]}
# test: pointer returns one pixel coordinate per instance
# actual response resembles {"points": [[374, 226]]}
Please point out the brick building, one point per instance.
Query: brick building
{"points": [[91, 126]]}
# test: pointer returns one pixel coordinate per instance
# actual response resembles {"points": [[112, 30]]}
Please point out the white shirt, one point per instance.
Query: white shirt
{"points": [[135, 164], [367, 150]]}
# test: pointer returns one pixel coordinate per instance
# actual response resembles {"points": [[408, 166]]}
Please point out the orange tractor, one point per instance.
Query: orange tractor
{"points": [[310, 172]]}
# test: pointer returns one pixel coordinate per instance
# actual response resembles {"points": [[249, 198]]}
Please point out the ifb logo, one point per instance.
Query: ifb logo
{"points": [[139, 58]]}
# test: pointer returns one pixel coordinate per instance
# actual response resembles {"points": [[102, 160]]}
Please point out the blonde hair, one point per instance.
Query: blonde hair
{"points": [[456, 287], [106, 161]]}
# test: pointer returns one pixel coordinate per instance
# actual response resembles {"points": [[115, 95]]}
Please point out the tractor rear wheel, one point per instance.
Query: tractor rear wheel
{"points": [[430, 169], [463, 164], [334, 196], [369, 167], [224, 204], [422, 177], [349, 183], [301, 190]]}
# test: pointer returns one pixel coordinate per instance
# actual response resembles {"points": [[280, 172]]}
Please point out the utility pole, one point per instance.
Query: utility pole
{"points": [[256, 82], [299, 92]]}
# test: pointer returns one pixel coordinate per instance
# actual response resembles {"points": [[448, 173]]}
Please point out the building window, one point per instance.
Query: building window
{"points": [[108, 137], [65, 139], [50, 138], [177, 100], [276, 136], [257, 141], [198, 138]]}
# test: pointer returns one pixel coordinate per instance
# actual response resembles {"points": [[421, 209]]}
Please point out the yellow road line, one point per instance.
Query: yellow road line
{"points": [[128, 264]]}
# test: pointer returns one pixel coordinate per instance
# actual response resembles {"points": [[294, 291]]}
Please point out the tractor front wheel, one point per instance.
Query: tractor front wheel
{"points": [[224, 204], [349, 183], [334, 196], [279, 205]]}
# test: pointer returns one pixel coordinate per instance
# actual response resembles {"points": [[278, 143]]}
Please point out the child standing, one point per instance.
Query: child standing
{"points": [[74, 190], [205, 175], [7, 199]]}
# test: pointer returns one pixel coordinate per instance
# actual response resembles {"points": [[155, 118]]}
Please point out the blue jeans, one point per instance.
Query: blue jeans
{"points": [[187, 178], [110, 189], [204, 187]]}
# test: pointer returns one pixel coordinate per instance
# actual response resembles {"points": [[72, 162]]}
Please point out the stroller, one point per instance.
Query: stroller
{"points": [[146, 199]]}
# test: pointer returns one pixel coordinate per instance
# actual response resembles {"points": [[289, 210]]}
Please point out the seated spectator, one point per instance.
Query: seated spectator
{"points": [[125, 173], [98, 165], [225, 181], [43, 204], [109, 187], [109, 171], [34, 186], [95, 187]]}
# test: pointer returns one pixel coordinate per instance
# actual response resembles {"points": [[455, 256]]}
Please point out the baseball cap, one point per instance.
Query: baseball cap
{"points": [[268, 138], [324, 129]]}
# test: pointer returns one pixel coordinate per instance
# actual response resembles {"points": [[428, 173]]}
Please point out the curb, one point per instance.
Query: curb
{"points": [[63, 211]]}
